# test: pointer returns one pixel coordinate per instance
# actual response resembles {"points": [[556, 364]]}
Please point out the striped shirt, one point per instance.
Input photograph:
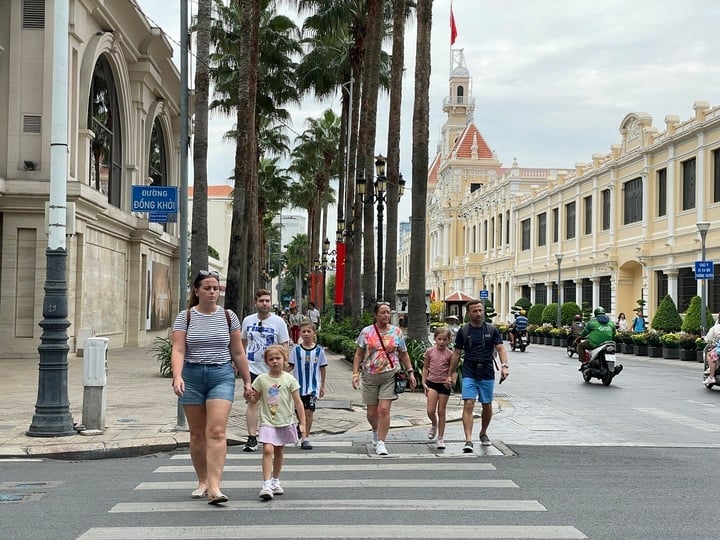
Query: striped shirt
{"points": [[307, 364], [207, 337]]}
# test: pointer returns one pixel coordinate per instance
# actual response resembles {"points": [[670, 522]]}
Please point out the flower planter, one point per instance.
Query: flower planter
{"points": [[626, 348], [640, 350], [699, 353], [688, 355], [547, 340], [557, 342], [654, 352], [670, 353]]}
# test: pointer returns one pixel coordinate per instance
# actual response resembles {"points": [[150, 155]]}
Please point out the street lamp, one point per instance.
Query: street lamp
{"points": [[559, 257], [379, 197], [703, 227]]}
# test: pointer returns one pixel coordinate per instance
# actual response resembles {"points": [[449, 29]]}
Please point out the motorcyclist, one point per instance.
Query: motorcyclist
{"points": [[519, 325], [576, 329], [598, 330]]}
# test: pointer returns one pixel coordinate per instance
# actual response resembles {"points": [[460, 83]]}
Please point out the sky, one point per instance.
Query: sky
{"points": [[552, 79]]}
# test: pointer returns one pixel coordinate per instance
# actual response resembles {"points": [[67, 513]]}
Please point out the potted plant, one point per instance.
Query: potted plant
{"points": [[700, 349], [654, 343], [687, 347], [671, 345], [559, 336], [532, 333], [625, 341], [640, 344], [162, 351]]}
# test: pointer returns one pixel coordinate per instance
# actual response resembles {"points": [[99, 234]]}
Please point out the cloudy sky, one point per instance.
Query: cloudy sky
{"points": [[552, 80]]}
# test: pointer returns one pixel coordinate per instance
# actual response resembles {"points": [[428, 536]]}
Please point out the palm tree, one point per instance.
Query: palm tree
{"points": [[417, 326], [199, 231]]}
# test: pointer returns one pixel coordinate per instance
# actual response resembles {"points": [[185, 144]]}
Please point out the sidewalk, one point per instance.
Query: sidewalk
{"points": [[141, 410]]}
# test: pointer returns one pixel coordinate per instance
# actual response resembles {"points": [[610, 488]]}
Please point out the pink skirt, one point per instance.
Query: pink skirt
{"points": [[278, 436]]}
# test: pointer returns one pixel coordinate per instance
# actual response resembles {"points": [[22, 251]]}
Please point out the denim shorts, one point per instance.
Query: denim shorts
{"points": [[207, 381], [480, 389]]}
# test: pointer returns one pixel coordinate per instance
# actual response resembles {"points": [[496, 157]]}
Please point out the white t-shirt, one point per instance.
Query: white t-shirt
{"points": [[314, 316], [258, 334]]}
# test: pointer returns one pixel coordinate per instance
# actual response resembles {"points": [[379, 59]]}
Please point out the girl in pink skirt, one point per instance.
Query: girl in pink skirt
{"points": [[277, 391]]}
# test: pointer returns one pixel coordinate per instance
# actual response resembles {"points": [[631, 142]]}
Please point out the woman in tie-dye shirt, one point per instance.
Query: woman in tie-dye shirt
{"points": [[374, 366]]}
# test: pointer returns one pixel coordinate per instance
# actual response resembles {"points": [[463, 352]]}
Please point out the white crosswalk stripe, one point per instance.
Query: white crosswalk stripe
{"points": [[327, 492]]}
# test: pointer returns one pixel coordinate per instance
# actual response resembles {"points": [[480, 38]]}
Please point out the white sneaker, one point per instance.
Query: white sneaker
{"points": [[276, 488], [709, 380], [380, 449], [266, 493], [440, 444]]}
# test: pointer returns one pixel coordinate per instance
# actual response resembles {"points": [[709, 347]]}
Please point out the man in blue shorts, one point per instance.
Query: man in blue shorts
{"points": [[478, 340]]}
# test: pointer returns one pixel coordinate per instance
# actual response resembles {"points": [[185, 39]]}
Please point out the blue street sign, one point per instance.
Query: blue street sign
{"points": [[704, 270], [162, 217], [155, 199], [484, 294]]}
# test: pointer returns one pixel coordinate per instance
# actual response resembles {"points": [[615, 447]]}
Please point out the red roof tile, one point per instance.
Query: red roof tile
{"points": [[458, 296], [215, 191], [465, 142]]}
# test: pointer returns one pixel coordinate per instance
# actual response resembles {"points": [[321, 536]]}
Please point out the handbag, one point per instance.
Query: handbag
{"points": [[401, 378]]}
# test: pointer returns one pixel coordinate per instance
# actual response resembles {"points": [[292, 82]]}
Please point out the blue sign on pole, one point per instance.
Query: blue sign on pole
{"points": [[704, 270], [162, 217], [155, 199], [484, 293]]}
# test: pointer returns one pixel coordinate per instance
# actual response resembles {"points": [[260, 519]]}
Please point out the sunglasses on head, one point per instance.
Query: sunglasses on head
{"points": [[208, 273]]}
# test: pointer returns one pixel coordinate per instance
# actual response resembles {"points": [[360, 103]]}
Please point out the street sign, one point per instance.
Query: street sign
{"points": [[704, 270], [155, 199], [162, 217], [484, 294]]}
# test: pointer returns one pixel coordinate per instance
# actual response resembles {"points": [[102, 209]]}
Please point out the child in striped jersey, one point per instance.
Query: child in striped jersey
{"points": [[309, 363]]}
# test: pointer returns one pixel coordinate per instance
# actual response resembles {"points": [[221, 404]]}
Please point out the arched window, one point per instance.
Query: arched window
{"points": [[106, 146], [157, 166], [460, 94]]}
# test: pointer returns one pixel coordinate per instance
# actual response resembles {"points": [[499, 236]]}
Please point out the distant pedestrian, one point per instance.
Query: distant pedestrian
{"points": [[621, 324], [295, 319], [309, 368], [313, 314], [477, 341], [277, 393], [259, 331], [380, 350], [638, 323], [438, 383], [206, 343]]}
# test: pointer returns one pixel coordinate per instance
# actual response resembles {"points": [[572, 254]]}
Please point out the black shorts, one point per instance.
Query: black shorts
{"points": [[309, 402], [440, 388]]}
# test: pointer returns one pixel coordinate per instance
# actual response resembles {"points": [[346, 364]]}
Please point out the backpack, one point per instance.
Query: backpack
{"points": [[487, 328], [189, 311]]}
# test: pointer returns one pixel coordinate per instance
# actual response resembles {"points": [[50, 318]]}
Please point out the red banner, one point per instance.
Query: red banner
{"points": [[453, 28], [340, 274]]}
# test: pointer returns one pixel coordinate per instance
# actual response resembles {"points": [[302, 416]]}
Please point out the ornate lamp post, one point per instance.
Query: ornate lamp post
{"points": [[703, 227], [379, 197], [559, 257]]}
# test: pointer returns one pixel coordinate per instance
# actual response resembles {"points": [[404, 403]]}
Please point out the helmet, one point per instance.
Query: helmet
{"points": [[522, 312], [599, 311], [578, 317]]}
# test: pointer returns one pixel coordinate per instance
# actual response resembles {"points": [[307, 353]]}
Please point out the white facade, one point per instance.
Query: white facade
{"points": [[123, 130]]}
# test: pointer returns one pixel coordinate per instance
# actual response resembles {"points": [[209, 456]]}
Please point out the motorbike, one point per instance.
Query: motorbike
{"points": [[521, 340], [602, 363], [706, 365], [571, 348]]}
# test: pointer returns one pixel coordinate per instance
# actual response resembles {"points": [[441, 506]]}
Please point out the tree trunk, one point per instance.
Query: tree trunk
{"points": [[241, 261], [417, 327], [199, 228], [393, 162]]}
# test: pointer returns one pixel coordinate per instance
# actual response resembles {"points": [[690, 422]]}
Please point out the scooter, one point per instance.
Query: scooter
{"points": [[602, 363], [572, 347], [706, 351], [520, 341]]}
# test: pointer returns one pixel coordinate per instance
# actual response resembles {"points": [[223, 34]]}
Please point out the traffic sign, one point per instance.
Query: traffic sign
{"points": [[704, 270], [484, 293], [155, 199], [162, 217]]}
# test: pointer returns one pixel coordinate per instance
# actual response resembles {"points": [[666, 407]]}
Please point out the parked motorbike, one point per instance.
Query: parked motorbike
{"points": [[521, 341], [706, 363], [602, 363]]}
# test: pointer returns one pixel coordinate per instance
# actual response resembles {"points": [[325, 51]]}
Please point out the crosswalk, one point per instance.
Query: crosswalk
{"points": [[336, 492]]}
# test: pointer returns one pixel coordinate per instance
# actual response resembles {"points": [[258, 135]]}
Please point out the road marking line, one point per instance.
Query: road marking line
{"points": [[380, 465], [681, 419], [384, 483], [323, 531]]}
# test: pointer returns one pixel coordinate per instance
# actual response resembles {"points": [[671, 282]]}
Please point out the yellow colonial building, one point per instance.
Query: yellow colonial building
{"points": [[123, 130], [617, 229]]}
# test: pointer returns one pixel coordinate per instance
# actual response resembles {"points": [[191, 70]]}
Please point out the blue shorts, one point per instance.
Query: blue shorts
{"points": [[482, 390], [207, 381]]}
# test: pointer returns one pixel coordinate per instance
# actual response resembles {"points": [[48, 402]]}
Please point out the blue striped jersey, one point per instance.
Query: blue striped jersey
{"points": [[307, 364]]}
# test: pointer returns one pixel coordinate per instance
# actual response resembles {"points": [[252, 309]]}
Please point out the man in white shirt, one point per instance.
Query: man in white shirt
{"points": [[313, 314], [259, 331]]}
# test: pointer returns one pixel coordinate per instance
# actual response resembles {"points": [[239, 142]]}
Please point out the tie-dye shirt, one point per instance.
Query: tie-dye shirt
{"points": [[374, 358]]}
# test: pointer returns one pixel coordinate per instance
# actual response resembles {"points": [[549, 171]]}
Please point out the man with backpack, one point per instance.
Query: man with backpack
{"points": [[478, 341]]}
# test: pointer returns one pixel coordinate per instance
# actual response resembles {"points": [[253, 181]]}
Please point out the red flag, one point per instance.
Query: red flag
{"points": [[453, 28]]}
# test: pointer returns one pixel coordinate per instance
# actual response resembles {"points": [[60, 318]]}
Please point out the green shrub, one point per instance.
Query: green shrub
{"points": [[535, 314], [569, 310], [490, 312], [641, 338], [523, 303], [549, 314], [162, 351], [654, 338], [671, 340], [667, 318], [691, 323]]}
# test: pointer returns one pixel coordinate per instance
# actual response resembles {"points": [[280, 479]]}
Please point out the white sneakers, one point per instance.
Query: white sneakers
{"points": [[380, 449]]}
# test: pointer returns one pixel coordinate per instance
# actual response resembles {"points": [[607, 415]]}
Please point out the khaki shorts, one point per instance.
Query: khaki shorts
{"points": [[378, 386]]}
